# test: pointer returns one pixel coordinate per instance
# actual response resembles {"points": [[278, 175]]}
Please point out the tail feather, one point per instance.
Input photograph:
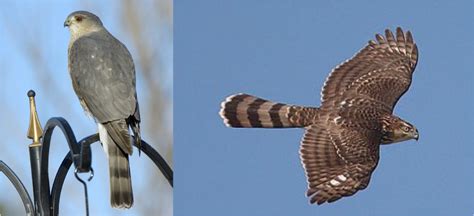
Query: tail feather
{"points": [[121, 194], [118, 132], [243, 110]]}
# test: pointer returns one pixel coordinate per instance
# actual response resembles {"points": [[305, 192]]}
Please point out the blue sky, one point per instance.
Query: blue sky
{"points": [[41, 22], [283, 51]]}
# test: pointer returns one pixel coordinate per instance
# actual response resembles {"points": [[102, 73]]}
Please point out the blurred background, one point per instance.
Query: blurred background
{"points": [[33, 55]]}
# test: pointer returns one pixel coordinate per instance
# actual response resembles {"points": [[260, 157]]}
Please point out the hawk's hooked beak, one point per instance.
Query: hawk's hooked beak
{"points": [[67, 23], [416, 135]]}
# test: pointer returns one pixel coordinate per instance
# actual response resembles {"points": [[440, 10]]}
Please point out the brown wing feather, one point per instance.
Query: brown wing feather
{"points": [[386, 65], [338, 161]]}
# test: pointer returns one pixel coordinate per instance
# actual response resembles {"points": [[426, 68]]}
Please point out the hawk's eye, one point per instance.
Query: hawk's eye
{"points": [[405, 128], [79, 18]]}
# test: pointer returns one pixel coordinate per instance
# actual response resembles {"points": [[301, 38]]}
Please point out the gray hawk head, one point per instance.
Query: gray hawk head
{"points": [[82, 21]]}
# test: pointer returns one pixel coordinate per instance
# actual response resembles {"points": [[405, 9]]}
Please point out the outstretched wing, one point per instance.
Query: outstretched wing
{"points": [[381, 71], [338, 161]]}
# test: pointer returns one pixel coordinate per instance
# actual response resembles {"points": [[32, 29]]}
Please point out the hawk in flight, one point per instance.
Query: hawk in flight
{"points": [[103, 77], [340, 147]]}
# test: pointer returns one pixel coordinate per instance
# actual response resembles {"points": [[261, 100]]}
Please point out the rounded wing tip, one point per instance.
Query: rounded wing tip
{"points": [[379, 37]]}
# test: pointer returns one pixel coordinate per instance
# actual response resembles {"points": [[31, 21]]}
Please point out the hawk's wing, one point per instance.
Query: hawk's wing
{"points": [[103, 77], [381, 71], [338, 160]]}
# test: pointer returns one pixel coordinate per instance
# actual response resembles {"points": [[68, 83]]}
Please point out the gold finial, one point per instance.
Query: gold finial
{"points": [[35, 132]]}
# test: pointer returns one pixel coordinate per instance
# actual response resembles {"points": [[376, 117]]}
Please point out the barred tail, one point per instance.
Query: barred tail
{"points": [[121, 194], [243, 110]]}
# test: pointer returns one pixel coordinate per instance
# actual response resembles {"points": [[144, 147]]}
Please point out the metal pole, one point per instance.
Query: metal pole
{"points": [[35, 156]]}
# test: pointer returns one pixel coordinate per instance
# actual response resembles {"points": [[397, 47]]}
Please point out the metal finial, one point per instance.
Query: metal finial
{"points": [[35, 132]]}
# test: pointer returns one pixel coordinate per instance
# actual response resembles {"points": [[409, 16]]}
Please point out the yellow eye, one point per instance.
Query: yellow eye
{"points": [[405, 128]]}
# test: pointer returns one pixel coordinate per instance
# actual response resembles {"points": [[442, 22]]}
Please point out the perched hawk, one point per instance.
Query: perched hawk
{"points": [[340, 147], [103, 77]]}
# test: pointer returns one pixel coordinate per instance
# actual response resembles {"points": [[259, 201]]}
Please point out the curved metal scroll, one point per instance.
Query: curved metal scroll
{"points": [[45, 197], [80, 155], [20, 188]]}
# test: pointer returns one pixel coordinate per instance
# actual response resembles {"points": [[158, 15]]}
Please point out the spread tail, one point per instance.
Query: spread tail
{"points": [[243, 110]]}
